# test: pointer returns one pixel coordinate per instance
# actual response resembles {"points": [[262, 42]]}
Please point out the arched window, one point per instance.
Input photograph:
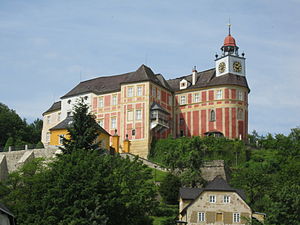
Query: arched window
{"points": [[212, 115]]}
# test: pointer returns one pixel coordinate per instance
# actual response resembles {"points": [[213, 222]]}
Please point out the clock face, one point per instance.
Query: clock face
{"points": [[222, 67], [237, 67]]}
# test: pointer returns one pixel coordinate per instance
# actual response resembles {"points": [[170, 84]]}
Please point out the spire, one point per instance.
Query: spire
{"points": [[229, 26]]}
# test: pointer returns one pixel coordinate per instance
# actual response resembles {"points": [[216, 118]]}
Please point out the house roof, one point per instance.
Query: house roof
{"points": [[208, 78], [66, 123], [157, 106], [55, 106], [217, 184], [4, 209], [107, 84]]}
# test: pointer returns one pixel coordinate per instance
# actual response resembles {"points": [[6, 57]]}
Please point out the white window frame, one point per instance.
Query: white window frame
{"points": [[240, 95], [139, 91], [226, 199], [182, 100], [114, 100], [101, 102], [113, 122], [219, 94], [158, 94], [212, 199], [60, 140], [240, 114], [196, 97], [130, 115], [236, 217], [212, 115], [153, 91], [48, 137], [138, 114], [201, 216], [130, 92], [101, 122]]}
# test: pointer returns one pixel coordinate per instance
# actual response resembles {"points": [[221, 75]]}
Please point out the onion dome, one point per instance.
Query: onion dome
{"points": [[229, 47], [229, 41]]}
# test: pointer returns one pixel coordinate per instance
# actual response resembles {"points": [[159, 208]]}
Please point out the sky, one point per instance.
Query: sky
{"points": [[48, 47]]}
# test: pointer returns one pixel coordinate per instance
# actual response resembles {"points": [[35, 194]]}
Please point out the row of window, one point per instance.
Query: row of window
{"points": [[236, 217], [213, 199], [113, 102], [130, 91], [113, 122], [219, 96]]}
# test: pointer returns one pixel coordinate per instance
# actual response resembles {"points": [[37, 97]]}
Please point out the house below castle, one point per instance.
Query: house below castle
{"points": [[142, 105]]}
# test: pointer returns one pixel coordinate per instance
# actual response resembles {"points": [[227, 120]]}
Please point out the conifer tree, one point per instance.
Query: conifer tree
{"points": [[82, 131]]}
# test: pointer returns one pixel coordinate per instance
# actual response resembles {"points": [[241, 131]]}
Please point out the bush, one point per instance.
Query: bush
{"points": [[169, 189], [39, 145]]}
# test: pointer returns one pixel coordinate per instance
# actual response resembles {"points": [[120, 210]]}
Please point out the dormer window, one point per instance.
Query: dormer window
{"points": [[183, 84]]}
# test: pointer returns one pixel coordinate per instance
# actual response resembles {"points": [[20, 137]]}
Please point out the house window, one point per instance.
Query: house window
{"points": [[101, 123], [68, 113], [201, 217], [58, 117], [240, 95], [212, 115], [69, 101], [133, 132], [212, 199], [130, 92], [158, 94], [129, 115], [139, 91], [239, 114], [182, 100], [61, 138], [170, 100], [48, 137], [48, 119], [114, 99], [226, 199], [236, 217], [101, 102], [196, 97], [219, 94], [138, 114], [113, 123], [154, 92], [181, 121]]}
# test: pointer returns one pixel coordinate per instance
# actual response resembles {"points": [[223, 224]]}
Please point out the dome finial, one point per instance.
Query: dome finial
{"points": [[229, 25]]}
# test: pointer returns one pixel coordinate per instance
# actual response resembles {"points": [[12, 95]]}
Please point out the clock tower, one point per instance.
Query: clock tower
{"points": [[230, 61]]}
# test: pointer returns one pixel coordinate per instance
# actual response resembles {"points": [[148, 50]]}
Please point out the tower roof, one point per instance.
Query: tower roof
{"points": [[229, 41]]}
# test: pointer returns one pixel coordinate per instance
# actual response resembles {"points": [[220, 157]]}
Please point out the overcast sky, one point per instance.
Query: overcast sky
{"points": [[47, 47]]}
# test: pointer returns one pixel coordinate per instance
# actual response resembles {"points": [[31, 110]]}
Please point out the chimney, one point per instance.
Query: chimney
{"points": [[194, 74]]}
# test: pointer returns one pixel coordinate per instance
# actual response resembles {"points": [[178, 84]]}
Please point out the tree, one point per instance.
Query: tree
{"points": [[83, 131], [82, 188], [169, 189], [10, 142]]}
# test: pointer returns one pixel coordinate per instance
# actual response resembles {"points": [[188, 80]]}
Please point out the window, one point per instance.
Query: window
{"points": [[236, 217], [48, 119], [48, 137], [181, 121], [113, 123], [101, 102], [114, 99], [130, 92], [158, 94], [129, 115], [154, 92], [239, 114], [58, 116], [219, 94], [212, 115], [182, 100], [139, 91], [133, 132], [61, 137], [170, 100], [101, 123], [196, 97], [201, 216], [240, 95], [212, 199], [181, 133], [226, 199], [69, 101], [138, 115], [68, 113]]}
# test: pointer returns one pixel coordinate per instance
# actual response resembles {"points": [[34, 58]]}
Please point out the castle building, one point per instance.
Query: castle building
{"points": [[142, 105]]}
